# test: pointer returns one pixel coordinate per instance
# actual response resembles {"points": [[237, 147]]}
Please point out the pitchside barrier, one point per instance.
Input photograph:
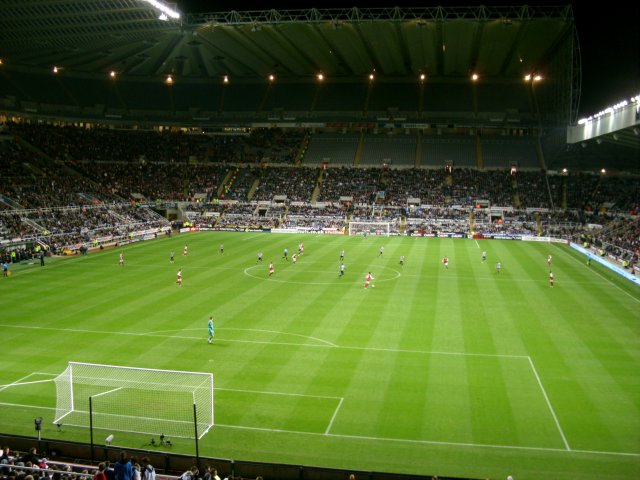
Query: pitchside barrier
{"points": [[606, 263], [169, 465]]}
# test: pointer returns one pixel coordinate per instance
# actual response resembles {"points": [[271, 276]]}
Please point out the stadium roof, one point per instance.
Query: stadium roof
{"points": [[96, 36]]}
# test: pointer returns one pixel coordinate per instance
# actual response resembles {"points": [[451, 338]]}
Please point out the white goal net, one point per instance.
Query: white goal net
{"points": [[369, 228], [140, 400]]}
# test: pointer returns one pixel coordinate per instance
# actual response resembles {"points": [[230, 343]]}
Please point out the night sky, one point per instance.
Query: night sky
{"points": [[609, 40]]}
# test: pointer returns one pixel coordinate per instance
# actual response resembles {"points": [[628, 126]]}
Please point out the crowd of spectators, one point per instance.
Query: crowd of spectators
{"points": [[94, 170]]}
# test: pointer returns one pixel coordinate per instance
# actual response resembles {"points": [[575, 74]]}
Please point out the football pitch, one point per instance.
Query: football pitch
{"points": [[458, 371]]}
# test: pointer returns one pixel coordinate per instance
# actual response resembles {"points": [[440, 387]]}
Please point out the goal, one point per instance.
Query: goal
{"points": [[369, 228], [138, 400]]}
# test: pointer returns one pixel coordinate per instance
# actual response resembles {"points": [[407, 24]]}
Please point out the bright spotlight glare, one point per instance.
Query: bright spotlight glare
{"points": [[163, 8]]}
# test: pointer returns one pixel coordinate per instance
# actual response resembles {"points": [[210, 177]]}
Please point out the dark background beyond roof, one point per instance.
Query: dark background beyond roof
{"points": [[609, 39]]}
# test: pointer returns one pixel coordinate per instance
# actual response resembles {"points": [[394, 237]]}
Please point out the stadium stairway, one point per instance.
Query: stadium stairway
{"points": [[479, 156], [303, 148], [224, 182], [418, 150], [252, 189], [358, 156], [316, 190], [517, 203]]}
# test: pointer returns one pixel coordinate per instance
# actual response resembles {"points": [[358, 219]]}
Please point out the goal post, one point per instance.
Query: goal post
{"points": [[370, 228], [137, 400]]}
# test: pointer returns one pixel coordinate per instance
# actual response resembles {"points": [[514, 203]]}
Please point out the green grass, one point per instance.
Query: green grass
{"points": [[459, 372]]}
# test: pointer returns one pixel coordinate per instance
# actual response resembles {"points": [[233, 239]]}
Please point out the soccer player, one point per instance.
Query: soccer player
{"points": [[259, 257], [5, 269], [285, 254], [341, 269], [367, 280], [300, 248], [498, 266], [171, 256], [185, 251], [221, 249], [381, 251], [402, 260], [342, 255], [549, 260], [551, 277], [484, 255], [294, 258], [210, 327], [121, 260], [445, 262], [271, 268], [179, 278]]}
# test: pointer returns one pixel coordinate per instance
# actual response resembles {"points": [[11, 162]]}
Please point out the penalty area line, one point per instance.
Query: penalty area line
{"points": [[335, 414]]}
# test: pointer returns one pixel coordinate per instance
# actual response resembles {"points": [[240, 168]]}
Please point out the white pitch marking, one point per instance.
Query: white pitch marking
{"points": [[107, 392], [345, 347], [546, 397], [335, 413], [429, 442], [19, 384], [250, 330], [17, 381], [276, 280], [264, 392], [477, 243], [401, 440], [599, 274]]}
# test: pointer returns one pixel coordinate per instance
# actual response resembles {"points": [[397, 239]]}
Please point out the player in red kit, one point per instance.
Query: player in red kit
{"points": [[271, 268], [367, 280], [179, 278], [551, 279], [445, 262]]}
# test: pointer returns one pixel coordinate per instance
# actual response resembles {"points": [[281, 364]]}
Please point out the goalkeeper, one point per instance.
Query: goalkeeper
{"points": [[210, 328]]}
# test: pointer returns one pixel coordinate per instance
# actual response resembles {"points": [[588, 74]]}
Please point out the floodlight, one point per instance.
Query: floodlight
{"points": [[422, 77], [371, 76], [272, 78], [55, 69], [1, 61], [112, 74], [474, 77], [603, 171], [169, 80], [163, 8], [537, 78], [225, 79], [320, 76], [527, 77]]}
